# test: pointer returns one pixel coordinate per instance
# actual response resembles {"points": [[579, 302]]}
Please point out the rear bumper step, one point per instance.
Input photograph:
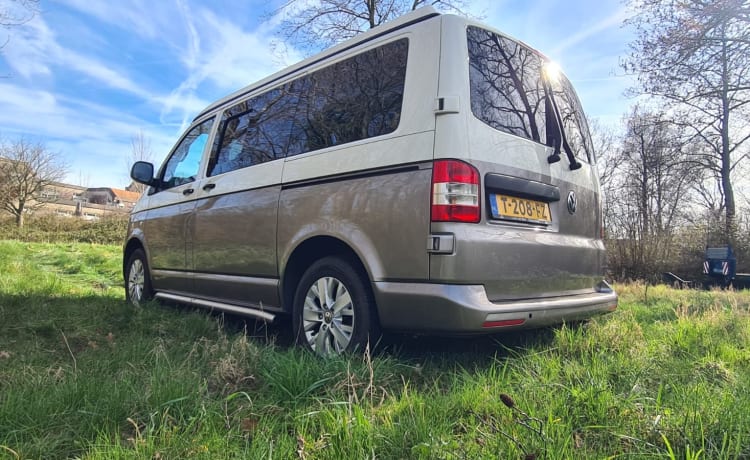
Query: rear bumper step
{"points": [[448, 308]]}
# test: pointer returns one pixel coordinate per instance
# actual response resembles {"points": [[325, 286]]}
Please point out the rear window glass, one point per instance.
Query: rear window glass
{"points": [[508, 92]]}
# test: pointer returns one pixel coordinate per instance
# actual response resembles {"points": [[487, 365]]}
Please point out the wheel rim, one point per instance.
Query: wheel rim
{"points": [[136, 281], [328, 316]]}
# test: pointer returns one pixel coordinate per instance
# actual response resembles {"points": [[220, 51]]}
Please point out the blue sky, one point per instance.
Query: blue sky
{"points": [[85, 76]]}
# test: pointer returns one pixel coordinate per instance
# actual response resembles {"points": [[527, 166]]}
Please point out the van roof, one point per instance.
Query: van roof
{"points": [[407, 19]]}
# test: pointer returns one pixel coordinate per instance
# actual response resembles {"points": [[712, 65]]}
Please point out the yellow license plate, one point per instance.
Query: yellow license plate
{"points": [[512, 207]]}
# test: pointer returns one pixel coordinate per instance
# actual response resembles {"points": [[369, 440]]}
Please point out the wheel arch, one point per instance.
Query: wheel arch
{"points": [[305, 254], [131, 246]]}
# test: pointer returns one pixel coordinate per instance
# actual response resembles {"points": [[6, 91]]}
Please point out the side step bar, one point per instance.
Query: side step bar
{"points": [[247, 311]]}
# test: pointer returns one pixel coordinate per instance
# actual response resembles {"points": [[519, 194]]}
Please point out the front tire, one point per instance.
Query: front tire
{"points": [[137, 279], [333, 310]]}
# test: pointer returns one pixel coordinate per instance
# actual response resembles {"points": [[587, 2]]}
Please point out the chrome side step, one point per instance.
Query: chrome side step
{"points": [[248, 311]]}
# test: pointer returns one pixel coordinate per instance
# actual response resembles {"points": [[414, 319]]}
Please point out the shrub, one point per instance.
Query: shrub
{"points": [[56, 229]]}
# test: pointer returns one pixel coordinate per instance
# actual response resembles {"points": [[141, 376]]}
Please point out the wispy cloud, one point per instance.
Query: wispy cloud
{"points": [[35, 51], [149, 19], [92, 136], [223, 55], [614, 20]]}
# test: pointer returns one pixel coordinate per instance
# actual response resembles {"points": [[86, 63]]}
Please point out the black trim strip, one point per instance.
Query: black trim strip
{"points": [[321, 59], [522, 188], [351, 175]]}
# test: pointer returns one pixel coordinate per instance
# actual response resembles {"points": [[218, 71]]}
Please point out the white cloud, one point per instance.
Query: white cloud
{"points": [[222, 54], [150, 19], [91, 136], [35, 51]]}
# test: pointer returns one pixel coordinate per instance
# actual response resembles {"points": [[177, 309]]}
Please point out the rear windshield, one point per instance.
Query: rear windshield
{"points": [[508, 92]]}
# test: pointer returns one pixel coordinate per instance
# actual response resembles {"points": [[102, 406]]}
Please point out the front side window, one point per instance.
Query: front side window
{"points": [[184, 163], [510, 93], [357, 98]]}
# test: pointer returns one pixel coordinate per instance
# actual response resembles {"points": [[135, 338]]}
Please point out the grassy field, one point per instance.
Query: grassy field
{"points": [[84, 375]]}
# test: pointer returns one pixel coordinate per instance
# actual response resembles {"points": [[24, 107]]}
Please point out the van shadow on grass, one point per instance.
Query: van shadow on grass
{"points": [[475, 349], [92, 318]]}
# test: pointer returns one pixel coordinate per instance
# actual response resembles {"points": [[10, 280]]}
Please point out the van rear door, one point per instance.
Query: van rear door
{"points": [[539, 231]]}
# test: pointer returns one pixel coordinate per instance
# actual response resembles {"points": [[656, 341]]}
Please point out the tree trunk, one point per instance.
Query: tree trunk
{"points": [[726, 160], [19, 219]]}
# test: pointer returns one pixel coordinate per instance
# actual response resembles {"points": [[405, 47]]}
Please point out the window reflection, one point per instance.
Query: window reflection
{"points": [[184, 163], [354, 99], [508, 92]]}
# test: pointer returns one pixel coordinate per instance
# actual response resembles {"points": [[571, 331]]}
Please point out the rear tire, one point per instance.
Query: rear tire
{"points": [[138, 288], [334, 310]]}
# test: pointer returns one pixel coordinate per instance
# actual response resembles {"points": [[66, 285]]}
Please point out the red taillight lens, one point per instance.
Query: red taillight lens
{"points": [[455, 192]]}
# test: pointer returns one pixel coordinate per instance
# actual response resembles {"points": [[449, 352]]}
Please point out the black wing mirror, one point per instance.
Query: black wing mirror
{"points": [[143, 172]]}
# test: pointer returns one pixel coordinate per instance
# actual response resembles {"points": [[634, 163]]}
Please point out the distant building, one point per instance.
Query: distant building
{"points": [[112, 197], [86, 203], [77, 201]]}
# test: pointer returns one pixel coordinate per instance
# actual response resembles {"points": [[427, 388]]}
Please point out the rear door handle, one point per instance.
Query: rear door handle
{"points": [[208, 187], [188, 191]]}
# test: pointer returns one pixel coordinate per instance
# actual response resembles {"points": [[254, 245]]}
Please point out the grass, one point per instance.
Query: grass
{"points": [[84, 375]]}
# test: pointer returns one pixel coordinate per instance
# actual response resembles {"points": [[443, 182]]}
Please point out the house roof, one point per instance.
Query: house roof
{"points": [[125, 195]]}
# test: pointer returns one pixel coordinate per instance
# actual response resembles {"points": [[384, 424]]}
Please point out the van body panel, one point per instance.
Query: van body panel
{"points": [[351, 210], [168, 229], [513, 259], [361, 157], [513, 262]]}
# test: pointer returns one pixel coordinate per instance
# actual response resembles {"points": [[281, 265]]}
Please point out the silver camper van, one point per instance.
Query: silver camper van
{"points": [[431, 175]]}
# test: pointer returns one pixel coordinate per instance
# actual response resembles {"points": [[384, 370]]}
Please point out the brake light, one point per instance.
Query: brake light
{"points": [[455, 192]]}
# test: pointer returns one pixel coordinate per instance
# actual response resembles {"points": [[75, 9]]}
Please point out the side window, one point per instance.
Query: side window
{"points": [[182, 166], [254, 131], [354, 99]]}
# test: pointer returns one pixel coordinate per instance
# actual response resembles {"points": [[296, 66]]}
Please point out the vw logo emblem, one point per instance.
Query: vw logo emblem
{"points": [[572, 202]]}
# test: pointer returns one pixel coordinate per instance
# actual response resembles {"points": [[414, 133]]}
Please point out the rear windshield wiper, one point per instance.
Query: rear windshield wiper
{"points": [[558, 139]]}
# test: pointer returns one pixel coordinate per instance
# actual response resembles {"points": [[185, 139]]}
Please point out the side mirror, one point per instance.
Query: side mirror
{"points": [[143, 172]]}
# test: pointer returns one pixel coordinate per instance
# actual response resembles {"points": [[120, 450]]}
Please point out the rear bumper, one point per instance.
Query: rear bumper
{"points": [[450, 308]]}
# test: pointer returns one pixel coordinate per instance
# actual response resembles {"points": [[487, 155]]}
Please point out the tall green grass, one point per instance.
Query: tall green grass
{"points": [[84, 375]]}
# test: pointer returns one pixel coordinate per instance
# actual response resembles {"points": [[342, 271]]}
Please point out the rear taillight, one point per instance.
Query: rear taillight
{"points": [[455, 192]]}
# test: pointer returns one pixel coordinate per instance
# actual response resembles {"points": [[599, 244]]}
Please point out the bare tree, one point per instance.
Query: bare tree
{"points": [[316, 25], [16, 12], [695, 54], [140, 150], [606, 150], [650, 182], [27, 170]]}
